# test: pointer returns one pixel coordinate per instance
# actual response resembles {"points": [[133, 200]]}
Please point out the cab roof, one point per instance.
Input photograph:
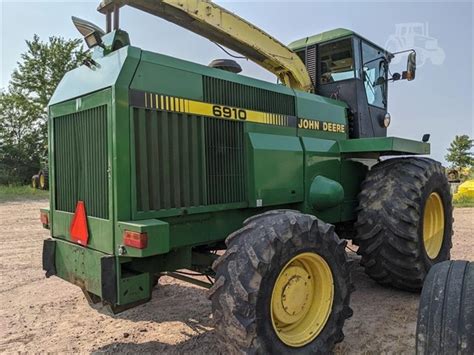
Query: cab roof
{"points": [[325, 37], [321, 37]]}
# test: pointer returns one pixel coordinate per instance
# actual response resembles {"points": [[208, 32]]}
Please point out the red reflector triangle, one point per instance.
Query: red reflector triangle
{"points": [[78, 228]]}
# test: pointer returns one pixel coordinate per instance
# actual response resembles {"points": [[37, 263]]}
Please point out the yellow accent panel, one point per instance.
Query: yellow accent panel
{"points": [[302, 299], [205, 109], [199, 108], [433, 225], [219, 25]]}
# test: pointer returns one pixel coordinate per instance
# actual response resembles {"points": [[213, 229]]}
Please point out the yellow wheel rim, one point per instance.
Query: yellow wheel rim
{"points": [[433, 225], [302, 299], [41, 182]]}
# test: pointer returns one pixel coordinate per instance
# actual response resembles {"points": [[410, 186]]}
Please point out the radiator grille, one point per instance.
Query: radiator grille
{"points": [[80, 156], [310, 62], [185, 161], [308, 56], [225, 161], [223, 92]]}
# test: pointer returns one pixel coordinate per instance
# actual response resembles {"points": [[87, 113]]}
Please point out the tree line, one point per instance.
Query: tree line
{"points": [[24, 115], [23, 105]]}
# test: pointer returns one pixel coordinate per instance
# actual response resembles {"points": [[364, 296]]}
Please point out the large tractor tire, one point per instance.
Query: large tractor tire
{"points": [[35, 182], [446, 313], [404, 223], [43, 179], [283, 286]]}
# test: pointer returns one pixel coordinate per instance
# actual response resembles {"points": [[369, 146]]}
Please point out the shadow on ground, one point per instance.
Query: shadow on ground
{"points": [[186, 304], [204, 343], [171, 302]]}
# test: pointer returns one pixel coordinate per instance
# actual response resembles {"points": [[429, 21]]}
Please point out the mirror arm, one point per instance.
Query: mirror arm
{"points": [[405, 51]]}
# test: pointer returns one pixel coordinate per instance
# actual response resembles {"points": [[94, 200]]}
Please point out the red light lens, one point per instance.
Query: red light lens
{"points": [[135, 239], [44, 218]]}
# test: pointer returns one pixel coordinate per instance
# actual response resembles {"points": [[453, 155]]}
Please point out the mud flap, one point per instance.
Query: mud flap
{"points": [[49, 250], [108, 279]]}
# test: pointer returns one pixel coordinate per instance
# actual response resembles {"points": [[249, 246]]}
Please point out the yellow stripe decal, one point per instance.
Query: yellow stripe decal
{"points": [[199, 108]]}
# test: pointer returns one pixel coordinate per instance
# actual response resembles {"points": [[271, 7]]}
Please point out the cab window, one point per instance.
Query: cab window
{"points": [[374, 74], [336, 61]]}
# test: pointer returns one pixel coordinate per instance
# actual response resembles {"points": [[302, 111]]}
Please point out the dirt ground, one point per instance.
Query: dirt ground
{"points": [[50, 315]]}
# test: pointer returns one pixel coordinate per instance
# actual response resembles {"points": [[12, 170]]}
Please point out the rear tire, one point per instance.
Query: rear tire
{"points": [[446, 313], [249, 276], [404, 223]]}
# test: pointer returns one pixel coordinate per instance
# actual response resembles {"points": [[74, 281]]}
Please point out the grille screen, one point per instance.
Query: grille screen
{"points": [[186, 161], [80, 156], [311, 63], [225, 161], [223, 92], [308, 56]]}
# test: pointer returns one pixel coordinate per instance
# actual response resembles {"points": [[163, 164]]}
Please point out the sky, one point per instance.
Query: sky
{"points": [[440, 101]]}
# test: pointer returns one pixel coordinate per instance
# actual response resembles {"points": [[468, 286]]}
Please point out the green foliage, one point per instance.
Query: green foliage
{"points": [[21, 192], [460, 152], [23, 107], [464, 201], [20, 137]]}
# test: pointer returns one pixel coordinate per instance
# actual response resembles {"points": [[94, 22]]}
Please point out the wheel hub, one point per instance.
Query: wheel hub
{"points": [[295, 292], [302, 299], [433, 225]]}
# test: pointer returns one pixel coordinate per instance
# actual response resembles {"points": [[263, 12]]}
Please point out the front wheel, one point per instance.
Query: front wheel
{"points": [[404, 223], [282, 286]]}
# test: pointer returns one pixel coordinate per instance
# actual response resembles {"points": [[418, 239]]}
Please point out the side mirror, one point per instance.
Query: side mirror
{"points": [[411, 66], [396, 76]]}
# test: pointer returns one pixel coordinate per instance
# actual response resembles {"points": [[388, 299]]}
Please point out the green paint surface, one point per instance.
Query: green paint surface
{"points": [[180, 178], [79, 265], [319, 38]]}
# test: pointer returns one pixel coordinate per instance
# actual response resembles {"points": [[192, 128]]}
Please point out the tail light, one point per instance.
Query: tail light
{"points": [[135, 239]]}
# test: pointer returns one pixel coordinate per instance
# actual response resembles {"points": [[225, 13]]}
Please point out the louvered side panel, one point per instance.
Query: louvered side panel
{"points": [[170, 170], [222, 92], [225, 161], [80, 153], [311, 63]]}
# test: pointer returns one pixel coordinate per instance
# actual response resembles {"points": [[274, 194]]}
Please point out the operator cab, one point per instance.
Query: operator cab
{"points": [[345, 66]]}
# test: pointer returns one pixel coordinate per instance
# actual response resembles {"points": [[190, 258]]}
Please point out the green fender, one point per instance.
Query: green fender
{"points": [[325, 193]]}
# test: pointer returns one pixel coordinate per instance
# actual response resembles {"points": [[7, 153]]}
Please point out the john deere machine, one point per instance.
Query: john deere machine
{"points": [[159, 165]]}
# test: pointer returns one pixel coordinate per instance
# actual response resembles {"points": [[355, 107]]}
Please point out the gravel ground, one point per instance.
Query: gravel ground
{"points": [[50, 315]]}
